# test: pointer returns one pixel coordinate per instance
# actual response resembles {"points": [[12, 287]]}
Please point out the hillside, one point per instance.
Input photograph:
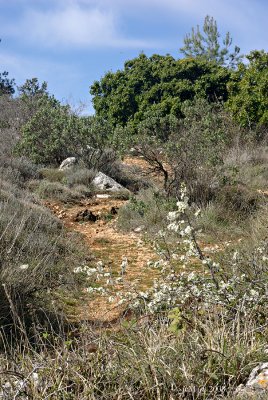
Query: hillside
{"points": [[133, 242]]}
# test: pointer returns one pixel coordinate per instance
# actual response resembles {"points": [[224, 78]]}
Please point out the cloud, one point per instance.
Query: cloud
{"points": [[72, 25]]}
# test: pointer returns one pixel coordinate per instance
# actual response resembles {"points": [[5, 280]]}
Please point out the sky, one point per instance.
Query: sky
{"points": [[71, 43]]}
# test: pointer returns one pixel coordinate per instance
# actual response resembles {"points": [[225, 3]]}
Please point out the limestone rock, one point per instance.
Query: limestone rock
{"points": [[139, 229], [104, 182], [103, 196], [67, 163], [257, 382]]}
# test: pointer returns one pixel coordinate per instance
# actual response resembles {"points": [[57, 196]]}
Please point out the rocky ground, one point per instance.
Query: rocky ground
{"points": [[110, 247]]}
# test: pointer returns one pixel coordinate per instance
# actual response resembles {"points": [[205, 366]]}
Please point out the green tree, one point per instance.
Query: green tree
{"points": [[206, 44], [32, 88], [55, 132], [188, 150], [248, 89], [45, 137], [32, 96], [156, 85], [6, 84]]}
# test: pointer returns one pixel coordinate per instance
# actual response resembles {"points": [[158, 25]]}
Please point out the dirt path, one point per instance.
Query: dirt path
{"points": [[109, 246]]}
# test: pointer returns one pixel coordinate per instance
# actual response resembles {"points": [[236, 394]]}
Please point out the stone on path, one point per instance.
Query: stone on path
{"points": [[67, 163], [104, 182]]}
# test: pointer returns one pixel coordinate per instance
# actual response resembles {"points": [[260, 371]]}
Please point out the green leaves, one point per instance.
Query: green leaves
{"points": [[206, 45], [156, 85], [248, 100]]}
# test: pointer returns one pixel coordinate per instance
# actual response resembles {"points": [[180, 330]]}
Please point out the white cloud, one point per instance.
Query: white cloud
{"points": [[72, 26]]}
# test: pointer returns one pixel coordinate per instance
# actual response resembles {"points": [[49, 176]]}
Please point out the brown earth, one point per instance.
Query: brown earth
{"points": [[108, 245]]}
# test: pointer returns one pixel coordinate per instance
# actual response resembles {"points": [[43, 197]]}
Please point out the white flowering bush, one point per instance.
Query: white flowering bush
{"points": [[211, 286]]}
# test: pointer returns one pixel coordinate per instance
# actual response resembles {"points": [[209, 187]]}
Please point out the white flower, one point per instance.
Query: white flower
{"points": [[90, 271], [191, 276], [188, 230], [173, 227], [78, 269], [182, 206], [172, 216], [235, 255]]}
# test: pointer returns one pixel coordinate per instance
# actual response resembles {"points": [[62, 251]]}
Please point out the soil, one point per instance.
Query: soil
{"points": [[110, 246]]}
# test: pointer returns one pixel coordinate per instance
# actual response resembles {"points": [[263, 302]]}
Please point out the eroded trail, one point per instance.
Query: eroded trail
{"points": [[110, 246]]}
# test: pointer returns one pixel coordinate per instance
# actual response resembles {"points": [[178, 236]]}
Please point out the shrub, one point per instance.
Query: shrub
{"points": [[79, 176], [58, 191], [52, 174], [192, 151], [37, 257], [18, 171], [238, 199], [147, 209]]}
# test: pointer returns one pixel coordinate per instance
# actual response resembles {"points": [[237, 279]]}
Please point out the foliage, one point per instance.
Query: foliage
{"points": [[32, 88], [156, 85], [206, 45], [37, 257], [55, 133], [187, 150], [248, 89], [6, 84], [148, 209]]}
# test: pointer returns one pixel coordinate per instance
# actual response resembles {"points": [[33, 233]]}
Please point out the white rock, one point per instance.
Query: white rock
{"points": [[67, 163], [257, 381], [104, 182], [103, 196], [139, 229]]}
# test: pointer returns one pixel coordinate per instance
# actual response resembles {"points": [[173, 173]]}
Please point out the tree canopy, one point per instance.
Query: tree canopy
{"points": [[206, 45], [157, 85], [249, 91]]}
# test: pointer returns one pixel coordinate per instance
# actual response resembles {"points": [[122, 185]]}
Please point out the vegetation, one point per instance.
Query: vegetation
{"points": [[248, 89], [207, 45], [157, 85], [187, 139]]}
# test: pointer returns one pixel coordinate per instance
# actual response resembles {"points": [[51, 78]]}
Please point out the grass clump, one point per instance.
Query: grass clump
{"points": [[53, 175], [79, 176], [37, 257], [148, 209], [60, 192]]}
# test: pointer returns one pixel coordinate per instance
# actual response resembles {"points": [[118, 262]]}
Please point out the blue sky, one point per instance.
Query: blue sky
{"points": [[71, 43]]}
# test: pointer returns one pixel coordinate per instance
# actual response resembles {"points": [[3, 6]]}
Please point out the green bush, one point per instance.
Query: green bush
{"points": [[17, 170]]}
